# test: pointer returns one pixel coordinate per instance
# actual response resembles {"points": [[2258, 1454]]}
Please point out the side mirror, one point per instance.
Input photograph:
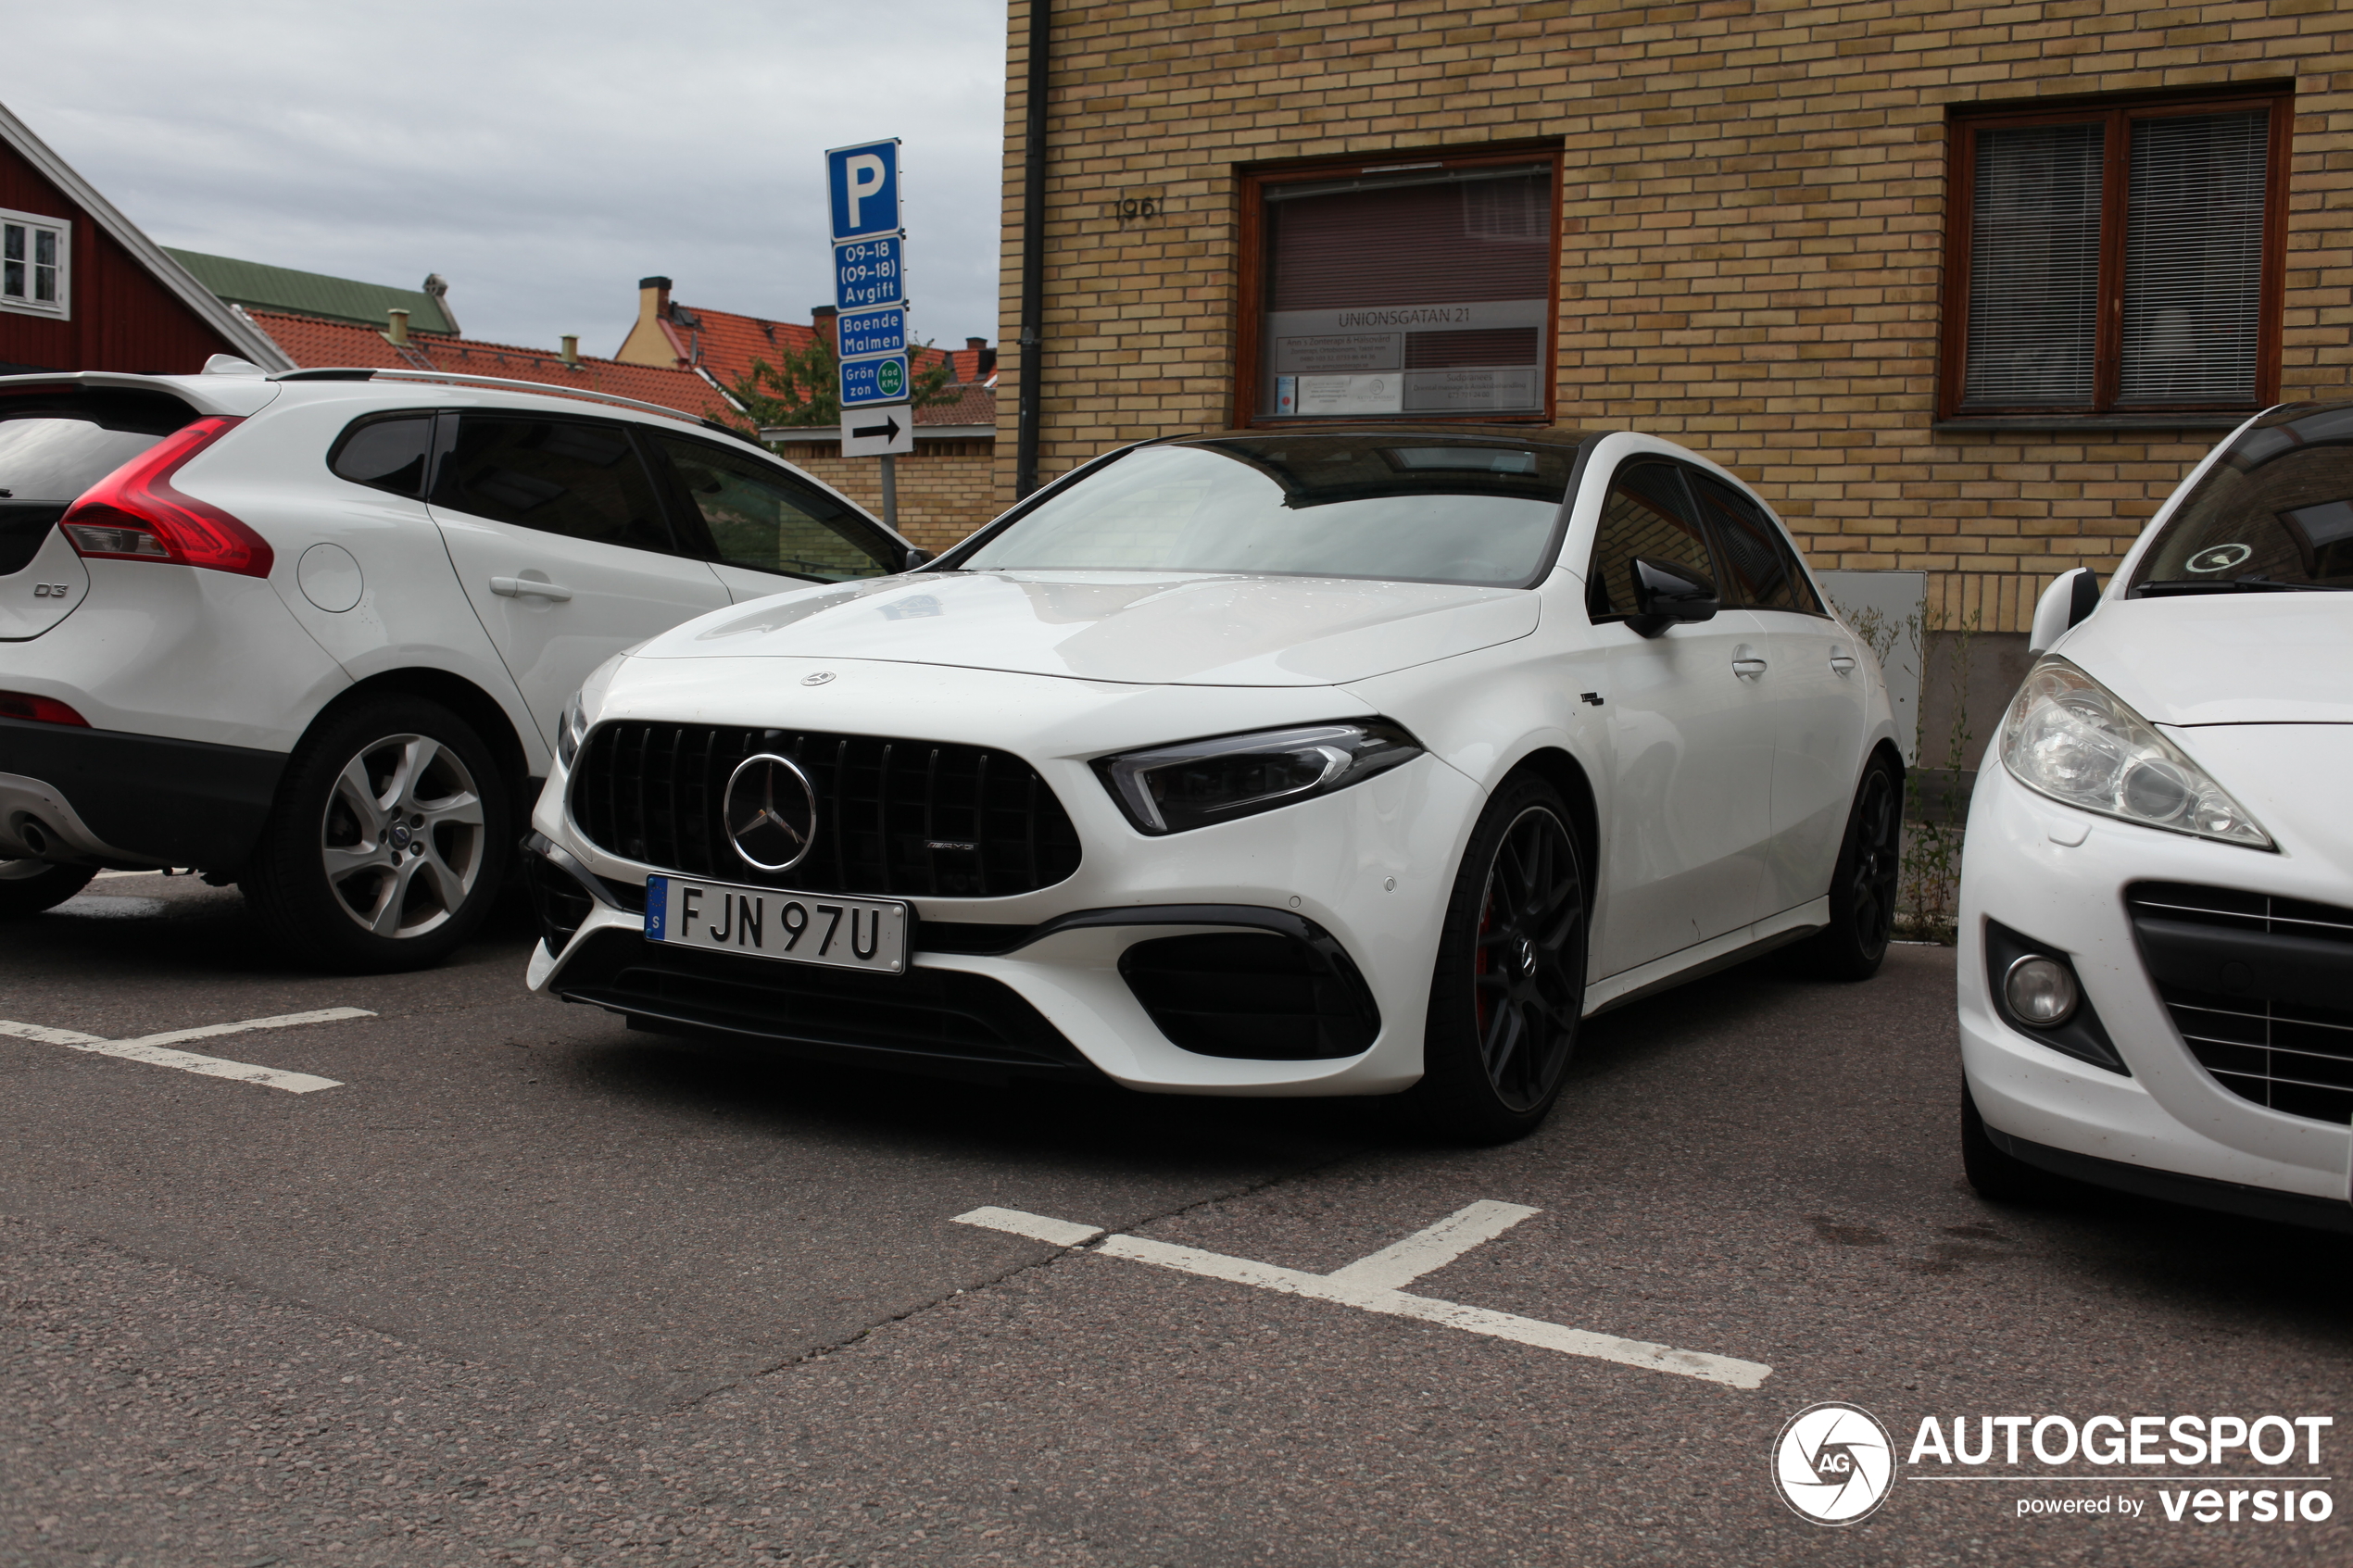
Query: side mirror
{"points": [[1665, 594], [2071, 596], [917, 556]]}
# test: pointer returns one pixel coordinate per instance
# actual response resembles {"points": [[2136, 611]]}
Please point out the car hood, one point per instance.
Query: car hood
{"points": [[1141, 628], [2236, 659]]}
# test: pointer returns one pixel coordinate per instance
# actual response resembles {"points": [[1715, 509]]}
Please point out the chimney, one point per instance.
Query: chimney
{"points": [[984, 358], [437, 290], [398, 331], [649, 342], [572, 348], [825, 319]]}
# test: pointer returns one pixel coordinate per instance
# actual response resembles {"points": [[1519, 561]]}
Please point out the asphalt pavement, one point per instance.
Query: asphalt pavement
{"points": [[523, 1286]]}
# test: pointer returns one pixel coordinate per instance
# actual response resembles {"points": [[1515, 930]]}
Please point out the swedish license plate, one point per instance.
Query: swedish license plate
{"points": [[766, 922]]}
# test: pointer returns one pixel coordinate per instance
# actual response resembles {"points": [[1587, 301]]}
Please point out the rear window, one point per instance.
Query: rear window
{"points": [[1405, 507], [54, 446], [2275, 512]]}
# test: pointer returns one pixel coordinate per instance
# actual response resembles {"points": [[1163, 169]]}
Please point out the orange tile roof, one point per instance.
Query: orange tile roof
{"points": [[726, 345], [314, 344]]}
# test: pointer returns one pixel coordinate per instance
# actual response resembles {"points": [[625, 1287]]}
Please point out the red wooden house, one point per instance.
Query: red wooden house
{"points": [[82, 289]]}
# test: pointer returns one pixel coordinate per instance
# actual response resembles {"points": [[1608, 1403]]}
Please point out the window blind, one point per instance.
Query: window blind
{"points": [[1425, 294], [2034, 267], [2194, 259]]}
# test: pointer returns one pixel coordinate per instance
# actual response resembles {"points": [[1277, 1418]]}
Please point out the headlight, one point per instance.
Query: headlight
{"points": [[2069, 737], [571, 730], [1172, 788]]}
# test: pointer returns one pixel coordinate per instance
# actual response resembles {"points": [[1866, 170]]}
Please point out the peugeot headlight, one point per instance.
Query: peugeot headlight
{"points": [[2069, 737], [1173, 788]]}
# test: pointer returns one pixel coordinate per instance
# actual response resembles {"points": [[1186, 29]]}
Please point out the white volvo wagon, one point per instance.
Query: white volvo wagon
{"points": [[2156, 896], [1341, 763], [313, 633]]}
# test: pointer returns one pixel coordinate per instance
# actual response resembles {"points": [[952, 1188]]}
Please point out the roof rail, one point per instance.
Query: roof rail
{"points": [[365, 373]]}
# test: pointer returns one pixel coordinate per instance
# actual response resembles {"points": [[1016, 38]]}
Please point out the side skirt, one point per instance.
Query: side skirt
{"points": [[1735, 947]]}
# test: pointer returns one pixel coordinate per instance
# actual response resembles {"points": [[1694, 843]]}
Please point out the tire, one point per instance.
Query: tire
{"points": [[1509, 991], [389, 841], [27, 887], [1863, 886], [2002, 1178]]}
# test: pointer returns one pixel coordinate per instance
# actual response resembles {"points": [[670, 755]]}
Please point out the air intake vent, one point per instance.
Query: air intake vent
{"points": [[2262, 989], [896, 817]]}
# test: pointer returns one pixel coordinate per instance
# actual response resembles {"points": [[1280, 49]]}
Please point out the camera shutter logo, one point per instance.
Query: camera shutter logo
{"points": [[771, 812], [1833, 1463]]}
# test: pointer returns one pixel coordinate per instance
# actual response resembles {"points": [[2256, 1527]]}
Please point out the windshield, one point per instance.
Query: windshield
{"points": [[2275, 512], [1403, 506]]}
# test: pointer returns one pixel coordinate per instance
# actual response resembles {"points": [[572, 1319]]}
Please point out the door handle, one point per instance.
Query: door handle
{"points": [[1841, 663], [520, 587], [1746, 664]]}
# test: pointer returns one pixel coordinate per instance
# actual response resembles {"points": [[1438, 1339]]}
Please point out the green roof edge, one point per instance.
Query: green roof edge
{"points": [[260, 286]]}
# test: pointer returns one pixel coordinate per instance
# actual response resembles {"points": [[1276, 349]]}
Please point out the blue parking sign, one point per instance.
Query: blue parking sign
{"points": [[869, 272], [867, 382], [863, 185], [862, 334]]}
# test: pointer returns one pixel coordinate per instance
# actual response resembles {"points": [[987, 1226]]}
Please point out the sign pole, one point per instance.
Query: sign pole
{"points": [[870, 293]]}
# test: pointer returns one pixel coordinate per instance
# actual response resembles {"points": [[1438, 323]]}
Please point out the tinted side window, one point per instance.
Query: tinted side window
{"points": [[574, 477], [386, 453], [759, 519], [1762, 568], [1648, 514]]}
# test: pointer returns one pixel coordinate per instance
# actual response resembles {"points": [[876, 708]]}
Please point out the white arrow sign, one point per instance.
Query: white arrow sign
{"points": [[878, 431]]}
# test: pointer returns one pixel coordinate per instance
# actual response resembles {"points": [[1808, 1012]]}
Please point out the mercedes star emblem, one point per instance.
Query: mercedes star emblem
{"points": [[771, 811]]}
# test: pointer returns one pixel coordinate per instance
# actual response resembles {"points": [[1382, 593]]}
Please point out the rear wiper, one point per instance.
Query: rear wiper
{"points": [[2182, 588]]}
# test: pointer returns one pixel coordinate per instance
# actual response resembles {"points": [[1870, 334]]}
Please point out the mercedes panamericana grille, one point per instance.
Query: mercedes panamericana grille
{"points": [[2157, 897], [1343, 762], [315, 633]]}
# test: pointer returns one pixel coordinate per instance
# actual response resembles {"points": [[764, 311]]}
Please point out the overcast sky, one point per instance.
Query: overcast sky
{"points": [[542, 156]]}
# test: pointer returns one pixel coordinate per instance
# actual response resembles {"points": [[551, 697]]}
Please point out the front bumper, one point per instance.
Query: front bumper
{"points": [[130, 801], [1362, 875], [2167, 1114]]}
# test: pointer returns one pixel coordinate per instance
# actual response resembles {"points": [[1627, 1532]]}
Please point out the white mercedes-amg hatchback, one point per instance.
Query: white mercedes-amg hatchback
{"points": [[313, 633], [1297, 763]]}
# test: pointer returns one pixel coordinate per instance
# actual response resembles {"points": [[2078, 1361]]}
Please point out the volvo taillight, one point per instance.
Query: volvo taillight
{"points": [[134, 513]]}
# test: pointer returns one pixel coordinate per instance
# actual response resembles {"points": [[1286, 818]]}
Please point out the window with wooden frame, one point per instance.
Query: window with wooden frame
{"points": [[36, 272], [1400, 287], [2120, 258]]}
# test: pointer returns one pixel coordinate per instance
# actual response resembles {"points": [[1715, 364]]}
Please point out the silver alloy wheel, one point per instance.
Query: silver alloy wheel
{"points": [[403, 841]]}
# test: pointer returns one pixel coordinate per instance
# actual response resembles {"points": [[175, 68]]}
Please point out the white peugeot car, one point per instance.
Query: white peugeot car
{"points": [[313, 633], [1296, 763], [2156, 896]]}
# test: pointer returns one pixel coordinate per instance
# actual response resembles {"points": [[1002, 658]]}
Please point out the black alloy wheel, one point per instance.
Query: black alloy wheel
{"points": [[27, 887], [389, 841], [1509, 991], [1863, 886]]}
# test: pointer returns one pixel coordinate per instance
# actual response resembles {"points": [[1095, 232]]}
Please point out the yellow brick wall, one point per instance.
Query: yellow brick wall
{"points": [[1755, 207], [943, 495]]}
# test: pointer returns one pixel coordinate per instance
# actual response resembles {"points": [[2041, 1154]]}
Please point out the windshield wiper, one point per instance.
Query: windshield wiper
{"points": [[2183, 587]]}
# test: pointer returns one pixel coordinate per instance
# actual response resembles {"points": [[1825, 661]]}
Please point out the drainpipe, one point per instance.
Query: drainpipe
{"points": [[1032, 254]]}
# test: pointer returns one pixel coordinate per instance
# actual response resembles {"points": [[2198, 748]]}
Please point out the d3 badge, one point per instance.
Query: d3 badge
{"points": [[1833, 1463]]}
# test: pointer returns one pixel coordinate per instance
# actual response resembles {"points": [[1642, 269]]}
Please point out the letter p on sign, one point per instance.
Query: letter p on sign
{"points": [[862, 182]]}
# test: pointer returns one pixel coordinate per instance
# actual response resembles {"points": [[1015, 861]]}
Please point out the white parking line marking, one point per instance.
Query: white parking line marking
{"points": [[154, 1049], [1426, 1251], [1448, 1240], [1058, 1233]]}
